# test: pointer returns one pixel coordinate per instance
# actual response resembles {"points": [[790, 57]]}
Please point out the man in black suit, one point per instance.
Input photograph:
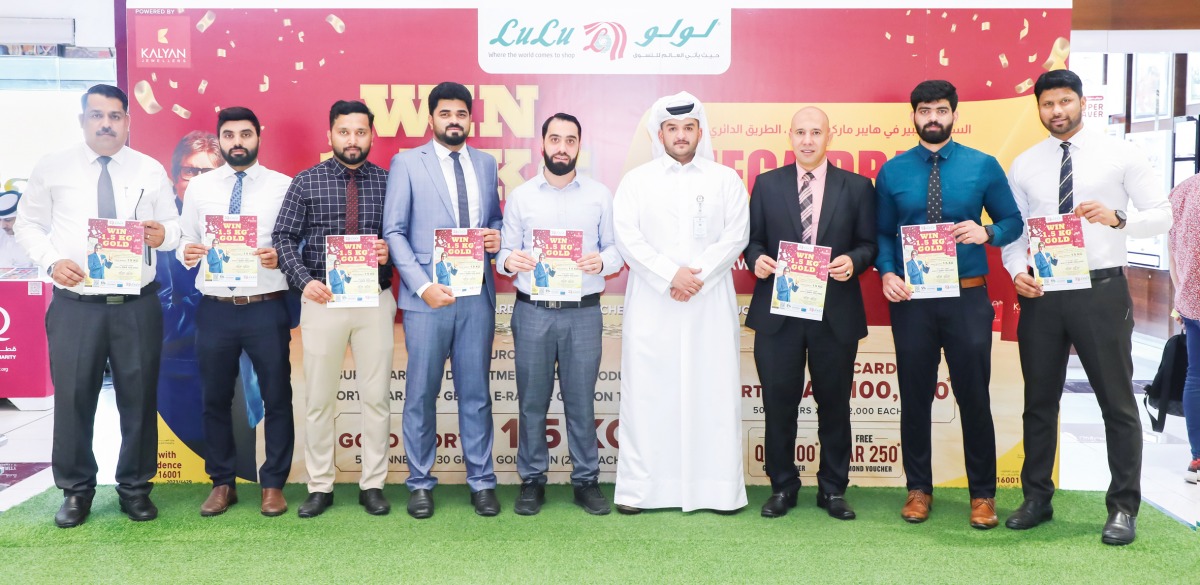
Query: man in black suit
{"points": [[810, 202]]}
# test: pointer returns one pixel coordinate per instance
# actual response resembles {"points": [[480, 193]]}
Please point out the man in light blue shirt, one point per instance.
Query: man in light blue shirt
{"points": [[557, 198]]}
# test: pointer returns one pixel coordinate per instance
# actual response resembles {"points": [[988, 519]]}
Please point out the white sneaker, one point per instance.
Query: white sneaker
{"points": [[1193, 472]]}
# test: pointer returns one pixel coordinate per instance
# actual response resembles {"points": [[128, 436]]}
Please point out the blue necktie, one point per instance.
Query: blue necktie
{"points": [[235, 202], [464, 207]]}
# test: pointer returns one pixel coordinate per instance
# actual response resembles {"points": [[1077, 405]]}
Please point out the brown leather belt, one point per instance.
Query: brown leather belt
{"points": [[972, 282], [247, 300]]}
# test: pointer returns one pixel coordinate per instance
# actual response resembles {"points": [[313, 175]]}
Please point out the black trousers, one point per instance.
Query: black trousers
{"points": [[962, 328], [780, 358], [83, 337], [1099, 323], [223, 331]]}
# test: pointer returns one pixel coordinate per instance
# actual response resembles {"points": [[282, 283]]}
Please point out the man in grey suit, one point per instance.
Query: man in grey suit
{"points": [[445, 184]]}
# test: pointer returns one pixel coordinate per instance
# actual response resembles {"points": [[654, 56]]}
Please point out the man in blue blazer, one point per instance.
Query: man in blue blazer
{"points": [[917, 269], [445, 184], [1044, 261], [445, 270]]}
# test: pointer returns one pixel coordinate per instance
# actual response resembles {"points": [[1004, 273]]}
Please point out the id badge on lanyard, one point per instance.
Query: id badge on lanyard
{"points": [[699, 223]]}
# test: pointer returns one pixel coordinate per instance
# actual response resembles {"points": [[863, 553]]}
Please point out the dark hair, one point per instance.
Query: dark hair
{"points": [[192, 142], [344, 108], [933, 90], [449, 90], [564, 118], [1056, 79], [107, 91], [237, 113]]}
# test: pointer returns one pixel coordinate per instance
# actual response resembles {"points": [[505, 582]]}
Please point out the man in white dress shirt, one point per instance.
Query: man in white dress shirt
{"points": [[1082, 171], [230, 320], [681, 220], [101, 178]]}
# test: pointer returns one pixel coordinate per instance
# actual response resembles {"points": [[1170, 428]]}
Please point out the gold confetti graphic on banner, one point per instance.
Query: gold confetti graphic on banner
{"points": [[299, 65], [887, 35], [985, 26], [1043, 14], [220, 52], [907, 13], [1058, 54], [974, 17], [203, 86], [144, 94], [181, 111], [287, 22], [336, 23], [217, 109], [1003, 61], [232, 45], [989, 83], [1024, 85], [909, 39], [953, 27], [154, 77], [942, 59], [174, 84], [207, 21], [944, 14], [280, 38], [301, 36], [1033, 58], [321, 62], [1024, 31], [265, 85]]}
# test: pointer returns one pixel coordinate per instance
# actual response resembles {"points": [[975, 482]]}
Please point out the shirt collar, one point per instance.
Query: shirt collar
{"points": [[226, 171], [945, 152], [443, 153], [1082, 139], [818, 173], [669, 163], [93, 155], [540, 181]]}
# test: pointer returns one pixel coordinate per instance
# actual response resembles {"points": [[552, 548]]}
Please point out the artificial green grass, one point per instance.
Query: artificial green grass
{"points": [[565, 545]]}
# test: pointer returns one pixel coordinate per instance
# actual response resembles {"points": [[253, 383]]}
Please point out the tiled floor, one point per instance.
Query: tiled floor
{"points": [[1082, 451]]}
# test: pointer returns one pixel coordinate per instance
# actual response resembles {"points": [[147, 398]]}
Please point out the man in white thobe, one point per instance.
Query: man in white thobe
{"points": [[681, 220], [11, 255]]}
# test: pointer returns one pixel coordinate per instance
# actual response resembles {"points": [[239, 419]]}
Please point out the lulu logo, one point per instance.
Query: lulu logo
{"points": [[606, 36], [163, 41]]}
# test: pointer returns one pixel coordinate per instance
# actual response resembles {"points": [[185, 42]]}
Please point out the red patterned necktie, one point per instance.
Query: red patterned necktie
{"points": [[352, 202]]}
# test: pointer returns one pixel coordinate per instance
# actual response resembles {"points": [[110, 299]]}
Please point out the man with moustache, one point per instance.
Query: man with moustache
{"points": [[810, 202], [341, 196], [233, 320], [565, 334], [101, 178], [445, 184], [681, 221], [938, 181], [1080, 170]]}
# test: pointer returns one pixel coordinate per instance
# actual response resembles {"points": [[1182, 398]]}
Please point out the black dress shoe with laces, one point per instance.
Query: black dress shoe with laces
{"points": [[592, 499], [777, 505], [374, 502], [485, 502], [530, 499], [73, 512], [315, 504], [1029, 514], [139, 508], [420, 504], [1120, 529], [836, 505]]}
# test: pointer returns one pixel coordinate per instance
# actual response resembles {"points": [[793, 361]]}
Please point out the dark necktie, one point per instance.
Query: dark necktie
{"points": [[352, 202], [1066, 182], [464, 207], [933, 202], [106, 200], [806, 209], [235, 201]]}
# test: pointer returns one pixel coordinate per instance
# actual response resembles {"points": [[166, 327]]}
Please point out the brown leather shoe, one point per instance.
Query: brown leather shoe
{"points": [[273, 502], [219, 499], [916, 508], [983, 513]]}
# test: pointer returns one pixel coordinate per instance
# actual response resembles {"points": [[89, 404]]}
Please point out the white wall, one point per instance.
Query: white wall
{"points": [[94, 23]]}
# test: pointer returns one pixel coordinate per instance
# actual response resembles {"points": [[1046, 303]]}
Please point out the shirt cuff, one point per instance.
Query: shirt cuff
{"points": [[424, 287]]}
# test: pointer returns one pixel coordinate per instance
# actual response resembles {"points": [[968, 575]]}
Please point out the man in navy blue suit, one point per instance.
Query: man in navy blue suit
{"points": [[445, 184]]}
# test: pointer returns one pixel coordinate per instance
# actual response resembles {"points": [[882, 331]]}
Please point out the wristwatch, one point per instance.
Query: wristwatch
{"points": [[991, 233], [50, 269], [1121, 218]]}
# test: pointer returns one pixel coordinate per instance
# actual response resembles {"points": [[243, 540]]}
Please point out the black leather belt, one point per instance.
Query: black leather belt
{"points": [[247, 300], [591, 300], [149, 289], [1104, 273]]}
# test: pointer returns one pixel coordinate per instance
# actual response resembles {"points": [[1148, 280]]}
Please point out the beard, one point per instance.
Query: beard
{"points": [[240, 160], [559, 168], [933, 136], [349, 160], [448, 140]]}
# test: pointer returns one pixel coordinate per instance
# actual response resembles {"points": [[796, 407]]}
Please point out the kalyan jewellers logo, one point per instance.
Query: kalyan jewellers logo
{"points": [[164, 41]]}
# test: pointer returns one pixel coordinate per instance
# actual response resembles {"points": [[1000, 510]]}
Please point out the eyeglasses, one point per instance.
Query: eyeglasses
{"points": [[192, 172]]}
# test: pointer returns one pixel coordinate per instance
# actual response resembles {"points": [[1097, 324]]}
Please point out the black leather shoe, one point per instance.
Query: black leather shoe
{"points": [[1120, 529], [315, 504], [529, 501], [139, 508], [592, 499], [836, 505], [73, 512], [628, 510], [420, 504], [374, 502], [1029, 514], [485, 502], [777, 505]]}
